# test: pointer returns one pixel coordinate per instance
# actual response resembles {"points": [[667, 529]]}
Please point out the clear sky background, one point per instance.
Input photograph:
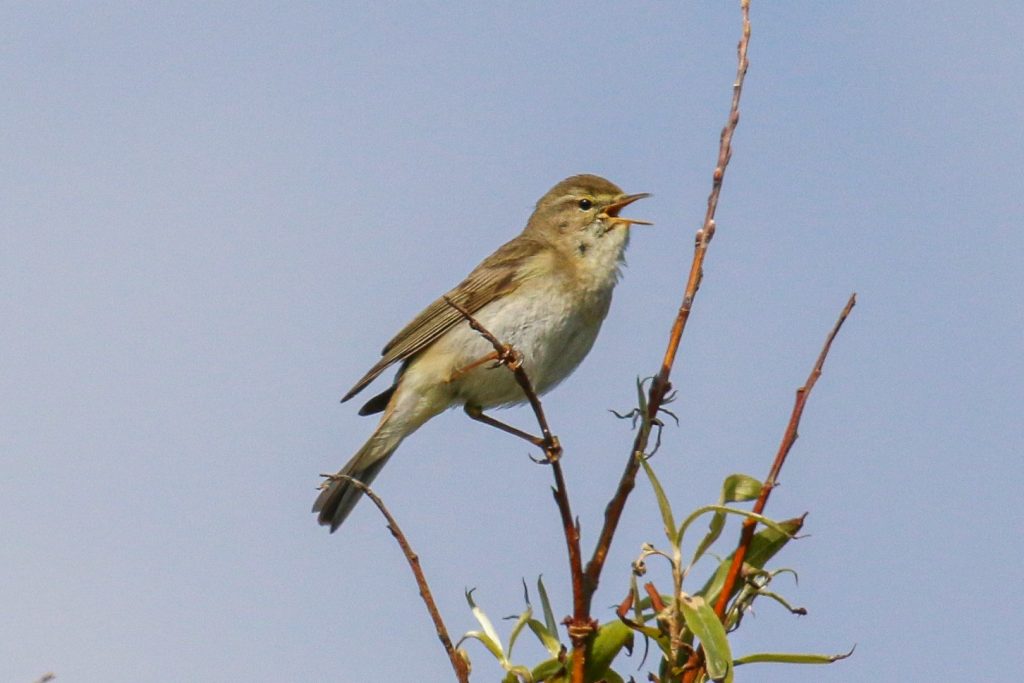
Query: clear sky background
{"points": [[212, 218]]}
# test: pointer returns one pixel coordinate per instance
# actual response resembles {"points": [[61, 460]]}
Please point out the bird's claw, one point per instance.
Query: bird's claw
{"points": [[328, 480], [510, 357], [553, 450]]}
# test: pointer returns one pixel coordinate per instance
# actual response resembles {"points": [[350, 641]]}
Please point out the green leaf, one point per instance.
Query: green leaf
{"points": [[517, 627], [663, 504], [492, 645], [704, 623], [735, 488], [715, 527], [740, 487], [610, 639], [489, 637], [549, 616], [696, 514], [610, 676], [789, 658], [519, 674], [765, 544], [548, 640], [550, 671]]}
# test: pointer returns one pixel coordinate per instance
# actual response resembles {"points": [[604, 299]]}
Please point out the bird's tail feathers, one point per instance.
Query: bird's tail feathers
{"points": [[339, 496]]}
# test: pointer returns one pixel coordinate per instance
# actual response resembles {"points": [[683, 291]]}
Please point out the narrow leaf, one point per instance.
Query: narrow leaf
{"points": [[519, 674], [550, 671], [549, 615], [663, 504], [488, 627], [765, 544], [548, 640], [704, 623], [489, 643], [517, 627], [735, 488], [610, 639], [696, 514], [789, 658], [715, 527]]}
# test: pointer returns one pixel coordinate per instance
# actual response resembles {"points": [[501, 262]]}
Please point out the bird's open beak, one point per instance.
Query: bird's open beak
{"points": [[612, 210]]}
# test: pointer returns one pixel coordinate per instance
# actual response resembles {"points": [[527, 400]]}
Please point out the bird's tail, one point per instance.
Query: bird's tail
{"points": [[339, 496]]}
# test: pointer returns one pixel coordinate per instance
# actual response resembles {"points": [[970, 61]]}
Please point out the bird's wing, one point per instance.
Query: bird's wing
{"points": [[499, 274]]}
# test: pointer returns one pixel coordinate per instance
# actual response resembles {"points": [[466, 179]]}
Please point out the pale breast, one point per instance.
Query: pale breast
{"points": [[552, 332]]}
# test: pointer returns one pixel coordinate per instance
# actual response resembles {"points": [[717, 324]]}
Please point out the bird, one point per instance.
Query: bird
{"points": [[545, 294]]}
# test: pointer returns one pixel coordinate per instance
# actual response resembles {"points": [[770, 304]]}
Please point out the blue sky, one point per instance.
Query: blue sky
{"points": [[212, 217]]}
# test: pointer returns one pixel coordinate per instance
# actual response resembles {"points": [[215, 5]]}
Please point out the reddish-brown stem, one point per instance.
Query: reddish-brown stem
{"points": [[661, 384], [580, 625], [789, 437], [459, 664]]}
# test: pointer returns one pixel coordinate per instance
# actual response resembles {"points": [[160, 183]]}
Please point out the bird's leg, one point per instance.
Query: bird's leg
{"points": [[507, 356], [493, 355], [477, 414]]}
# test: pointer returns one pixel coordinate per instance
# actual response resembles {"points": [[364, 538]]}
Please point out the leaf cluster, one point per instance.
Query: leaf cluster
{"points": [[678, 621]]}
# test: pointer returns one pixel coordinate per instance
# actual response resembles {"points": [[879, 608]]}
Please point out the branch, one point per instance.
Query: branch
{"points": [[661, 384], [509, 357], [788, 439], [580, 625], [696, 662], [459, 664]]}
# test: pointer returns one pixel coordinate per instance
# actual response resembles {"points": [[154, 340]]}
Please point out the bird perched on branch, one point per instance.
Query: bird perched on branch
{"points": [[545, 294]]}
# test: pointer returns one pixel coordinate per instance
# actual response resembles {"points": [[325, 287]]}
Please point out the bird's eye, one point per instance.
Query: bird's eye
{"points": [[586, 204]]}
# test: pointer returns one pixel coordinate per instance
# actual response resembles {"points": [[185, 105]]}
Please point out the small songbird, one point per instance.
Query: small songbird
{"points": [[545, 294]]}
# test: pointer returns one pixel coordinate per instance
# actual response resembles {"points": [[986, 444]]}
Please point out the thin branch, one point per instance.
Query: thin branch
{"points": [[661, 384], [788, 439], [459, 664], [506, 355], [580, 625], [695, 665]]}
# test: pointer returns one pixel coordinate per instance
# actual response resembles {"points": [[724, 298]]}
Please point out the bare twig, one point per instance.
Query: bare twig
{"points": [[580, 624], [661, 384], [48, 676], [459, 664]]}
